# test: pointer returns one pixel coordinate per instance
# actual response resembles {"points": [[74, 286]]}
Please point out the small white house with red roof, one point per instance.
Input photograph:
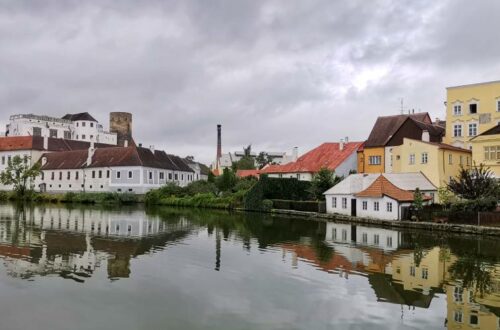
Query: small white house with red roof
{"points": [[339, 157]]}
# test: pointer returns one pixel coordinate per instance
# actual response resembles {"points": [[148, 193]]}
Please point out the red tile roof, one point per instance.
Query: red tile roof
{"points": [[116, 156], [247, 173], [326, 155], [10, 143], [383, 187]]}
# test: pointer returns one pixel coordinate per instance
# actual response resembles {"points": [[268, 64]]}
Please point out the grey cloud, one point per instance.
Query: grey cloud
{"points": [[275, 74]]}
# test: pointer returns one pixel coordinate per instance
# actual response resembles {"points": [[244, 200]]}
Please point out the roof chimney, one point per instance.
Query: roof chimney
{"points": [[341, 144], [90, 154], [425, 136], [45, 143], [295, 153], [152, 148]]}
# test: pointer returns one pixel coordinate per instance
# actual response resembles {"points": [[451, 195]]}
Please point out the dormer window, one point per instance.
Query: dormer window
{"points": [[457, 110], [473, 108]]}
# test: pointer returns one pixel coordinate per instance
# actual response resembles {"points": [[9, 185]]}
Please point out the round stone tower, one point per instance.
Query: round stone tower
{"points": [[121, 124]]}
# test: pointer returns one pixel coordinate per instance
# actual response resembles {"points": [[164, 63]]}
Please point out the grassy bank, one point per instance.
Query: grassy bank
{"points": [[71, 197]]}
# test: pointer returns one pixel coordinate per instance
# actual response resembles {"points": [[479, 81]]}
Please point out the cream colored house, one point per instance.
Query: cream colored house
{"points": [[439, 162], [486, 149], [470, 111]]}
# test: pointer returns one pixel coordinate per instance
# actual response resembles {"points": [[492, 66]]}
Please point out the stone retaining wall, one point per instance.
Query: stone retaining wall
{"points": [[455, 228]]}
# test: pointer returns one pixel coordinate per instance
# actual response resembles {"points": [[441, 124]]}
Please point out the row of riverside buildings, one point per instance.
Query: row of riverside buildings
{"points": [[405, 152], [77, 155]]}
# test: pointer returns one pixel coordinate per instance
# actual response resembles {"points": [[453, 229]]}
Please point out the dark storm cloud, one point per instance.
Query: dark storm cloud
{"points": [[276, 74]]}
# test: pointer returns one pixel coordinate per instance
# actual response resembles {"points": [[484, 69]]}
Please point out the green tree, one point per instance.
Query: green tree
{"points": [[21, 175], [446, 197], [246, 162], [323, 180], [478, 182], [226, 181], [211, 177]]}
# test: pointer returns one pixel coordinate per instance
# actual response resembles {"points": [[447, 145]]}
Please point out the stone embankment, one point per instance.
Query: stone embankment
{"points": [[448, 227]]}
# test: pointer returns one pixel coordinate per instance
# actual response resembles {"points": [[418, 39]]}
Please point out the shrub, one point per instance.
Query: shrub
{"points": [[267, 205]]}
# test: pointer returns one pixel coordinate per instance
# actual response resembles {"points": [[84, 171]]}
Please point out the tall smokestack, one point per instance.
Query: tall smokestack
{"points": [[219, 144]]}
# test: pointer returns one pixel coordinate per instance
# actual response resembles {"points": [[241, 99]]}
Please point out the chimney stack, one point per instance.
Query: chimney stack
{"points": [[152, 148], [341, 144], [45, 143], [295, 153], [219, 145], [90, 154]]}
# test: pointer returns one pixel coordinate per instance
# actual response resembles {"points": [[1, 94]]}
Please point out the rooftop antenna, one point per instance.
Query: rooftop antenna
{"points": [[402, 103]]}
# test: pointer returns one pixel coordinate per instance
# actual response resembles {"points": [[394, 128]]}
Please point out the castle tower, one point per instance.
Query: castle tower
{"points": [[121, 124]]}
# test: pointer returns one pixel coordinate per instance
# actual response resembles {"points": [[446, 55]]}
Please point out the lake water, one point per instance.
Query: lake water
{"points": [[130, 268]]}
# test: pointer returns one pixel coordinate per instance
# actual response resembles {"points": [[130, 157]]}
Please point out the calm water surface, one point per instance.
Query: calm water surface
{"points": [[129, 268]]}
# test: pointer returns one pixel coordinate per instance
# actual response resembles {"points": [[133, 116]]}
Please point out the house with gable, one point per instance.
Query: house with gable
{"points": [[376, 155], [339, 157]]}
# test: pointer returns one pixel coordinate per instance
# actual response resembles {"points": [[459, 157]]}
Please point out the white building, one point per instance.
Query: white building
{"points": [[80, 127], [277, 157], [201, 171], [338, 157], [381, 196], [117, 169], [381, 238]]}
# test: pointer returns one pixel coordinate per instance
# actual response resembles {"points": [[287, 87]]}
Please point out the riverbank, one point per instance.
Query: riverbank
{"points": [[429, 226]]}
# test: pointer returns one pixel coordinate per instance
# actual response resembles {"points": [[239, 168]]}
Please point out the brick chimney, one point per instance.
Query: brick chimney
{"points": [[219, 145]]}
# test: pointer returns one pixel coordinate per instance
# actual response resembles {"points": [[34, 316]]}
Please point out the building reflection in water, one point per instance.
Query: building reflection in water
{"points": [[403, 273], [74, 242]]}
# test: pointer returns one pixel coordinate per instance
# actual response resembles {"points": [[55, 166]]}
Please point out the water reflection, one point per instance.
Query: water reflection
{"points": [[410, 271]]}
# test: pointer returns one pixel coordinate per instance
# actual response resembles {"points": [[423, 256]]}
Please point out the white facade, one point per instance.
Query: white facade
{"points": [[386, 239], [130, 179], [82, 130]]}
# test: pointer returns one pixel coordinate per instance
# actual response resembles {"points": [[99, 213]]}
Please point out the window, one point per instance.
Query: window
{"points": [[458, 316], [77, 124], [376, 239], [389, 207], [412, 159], [60, 175], [498, 105], [457, 110], [37, 131], [77, 174], [91, 137], [170, 176], [389, 241], [334, 233], [492, 153], [53, 133], [473, 319], [365, 238], [150, 175], [344, 202], [457, 130], [412, 271], [450, 159], [182, 177], [42, 176], [3, 160], [83, 136], [118, 174], [365, 205], [344, 235], [91, 124], [67, 135], [83, 124], [68, 176], [52, 175], [176, 176], [376, 206], [458, 294], [334, 202], [77, 136], [107, 173], [425, 273], [100, 174], [93, 174], [375, 160], [162, 175], [425, 158], [473, 108], [473, 129]]}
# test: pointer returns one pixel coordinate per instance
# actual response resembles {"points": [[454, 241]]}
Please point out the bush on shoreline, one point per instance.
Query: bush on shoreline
{"points": [[71, 197]]}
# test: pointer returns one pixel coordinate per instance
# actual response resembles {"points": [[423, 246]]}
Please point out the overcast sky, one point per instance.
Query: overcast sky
{"points": [[276, 74]]}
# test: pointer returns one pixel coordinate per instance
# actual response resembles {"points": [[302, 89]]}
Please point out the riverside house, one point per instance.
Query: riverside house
{"points": [[339, 157], [381, 196]]}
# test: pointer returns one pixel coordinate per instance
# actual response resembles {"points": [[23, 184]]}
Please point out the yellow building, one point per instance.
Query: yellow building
{"points": [[371, 160], [437, 161], [471, 110], [486, 149]]}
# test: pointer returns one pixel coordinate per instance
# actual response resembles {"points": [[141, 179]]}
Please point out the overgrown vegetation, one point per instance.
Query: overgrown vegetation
{"points": [[223, 192], [323, 180], [475, 183], [21, 175], [71, 197]]}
